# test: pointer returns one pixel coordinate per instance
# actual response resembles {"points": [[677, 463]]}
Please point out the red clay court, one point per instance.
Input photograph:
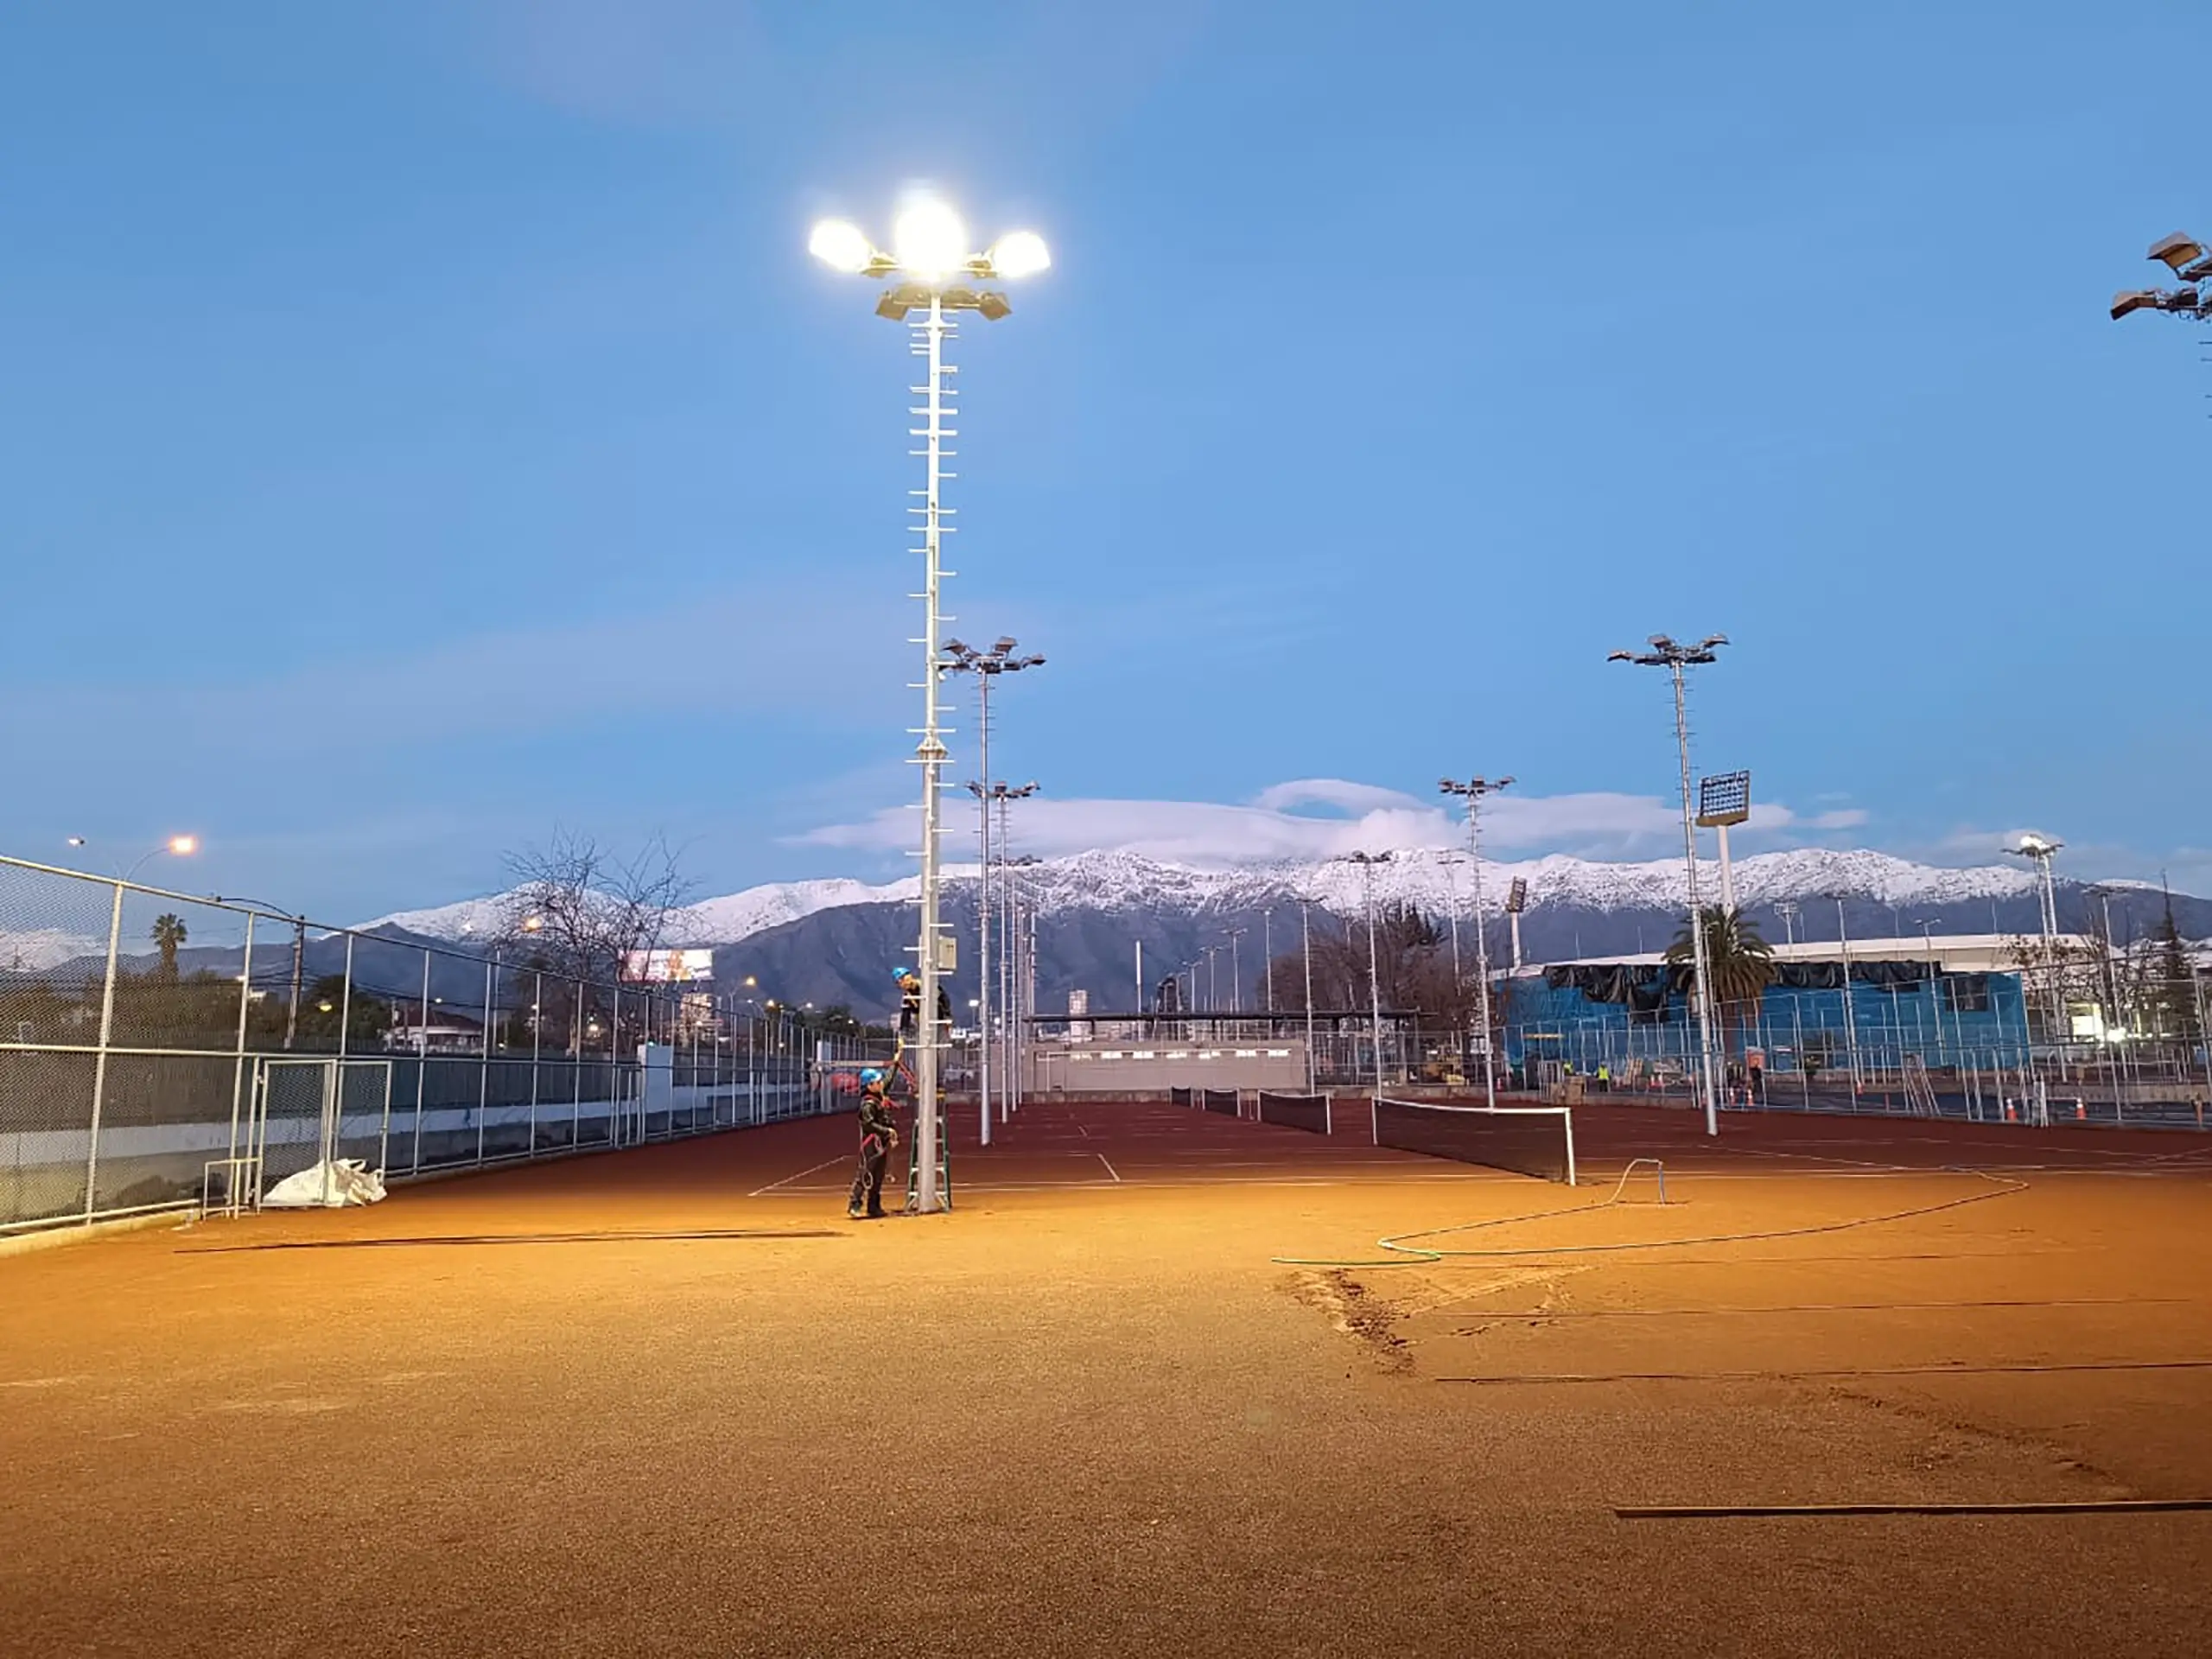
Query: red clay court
{"points": [[672, 1401]]}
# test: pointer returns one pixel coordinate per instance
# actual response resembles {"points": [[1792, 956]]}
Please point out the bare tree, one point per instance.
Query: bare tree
{"points": [[580, 910]]}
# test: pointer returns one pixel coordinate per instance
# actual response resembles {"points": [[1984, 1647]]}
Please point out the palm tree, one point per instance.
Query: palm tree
{"points": [[1740, 962], [169, 931]]}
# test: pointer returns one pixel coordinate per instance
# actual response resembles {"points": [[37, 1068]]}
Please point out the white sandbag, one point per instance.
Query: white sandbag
{"points": [[331, 1185]]}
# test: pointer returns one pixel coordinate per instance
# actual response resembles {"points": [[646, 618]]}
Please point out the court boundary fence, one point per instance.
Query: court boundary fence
{"points": [[132, 1078]]}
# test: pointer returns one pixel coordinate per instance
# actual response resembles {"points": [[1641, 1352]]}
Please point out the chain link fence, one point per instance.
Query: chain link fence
{"points": [[146, 1035]]}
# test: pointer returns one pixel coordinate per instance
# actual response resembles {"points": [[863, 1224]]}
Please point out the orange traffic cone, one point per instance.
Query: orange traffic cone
{"points": [[2080, 1112]]}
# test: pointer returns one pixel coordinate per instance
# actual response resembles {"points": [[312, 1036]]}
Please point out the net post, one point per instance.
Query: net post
{"points": [[1566, 1117]]}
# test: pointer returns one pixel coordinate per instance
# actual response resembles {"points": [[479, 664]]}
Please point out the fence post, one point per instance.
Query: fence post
{"points": [[423, 1062], [345, 1002], [484, 1059], [537, 1006], [237, 1065], [99, 1063]]}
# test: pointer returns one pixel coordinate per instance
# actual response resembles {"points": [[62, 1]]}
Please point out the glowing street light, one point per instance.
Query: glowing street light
{"points": [[930, 249], [178, 846]]}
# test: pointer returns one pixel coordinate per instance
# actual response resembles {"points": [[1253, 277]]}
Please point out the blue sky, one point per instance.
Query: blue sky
{"points": [[422, 425]]}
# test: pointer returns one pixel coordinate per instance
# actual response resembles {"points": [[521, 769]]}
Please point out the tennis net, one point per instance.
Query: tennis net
{"points": [[1223, 1100], [1295, 1111], [1528, 1139]]}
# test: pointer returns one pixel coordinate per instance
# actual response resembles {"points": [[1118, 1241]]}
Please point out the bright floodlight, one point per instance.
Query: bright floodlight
{"points": [[1022, 253], [840, 245], [929, 241], [184, 846]]}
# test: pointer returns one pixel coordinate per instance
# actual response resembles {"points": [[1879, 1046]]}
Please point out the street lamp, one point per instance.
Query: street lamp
{"points": [[928, 251], [1473, 791], [1236, 970], [180, 846], [986, 666], [1675, 659], [2187, 259]]}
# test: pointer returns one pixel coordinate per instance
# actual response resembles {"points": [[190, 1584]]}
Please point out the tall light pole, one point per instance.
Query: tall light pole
{"points": [[1472, 792], [2040, 850], [2188, 260], [1236, 970], [932, 258], [1305, 950], [1267, 958], [1517, 900], [1017, 960], [1451, 903], [986, 666], [1675, 658], [1367, 861]]}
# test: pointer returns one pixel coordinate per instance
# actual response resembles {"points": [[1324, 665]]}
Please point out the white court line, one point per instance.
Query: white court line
{"points": [[801, 1176], [1111, 1170]]}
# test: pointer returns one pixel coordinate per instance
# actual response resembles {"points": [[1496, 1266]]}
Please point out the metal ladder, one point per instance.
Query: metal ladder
{"points": [[1919, 1092]]}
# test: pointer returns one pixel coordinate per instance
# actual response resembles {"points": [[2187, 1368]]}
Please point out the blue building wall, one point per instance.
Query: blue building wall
{"points": [[1888, 1011]]}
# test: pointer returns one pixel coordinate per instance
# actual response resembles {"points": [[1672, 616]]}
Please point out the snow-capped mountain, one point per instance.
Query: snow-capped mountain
{"points": [[1113, 882]]}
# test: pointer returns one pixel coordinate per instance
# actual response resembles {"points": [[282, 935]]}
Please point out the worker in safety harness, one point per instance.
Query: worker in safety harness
{"points": [[879, 1133]]}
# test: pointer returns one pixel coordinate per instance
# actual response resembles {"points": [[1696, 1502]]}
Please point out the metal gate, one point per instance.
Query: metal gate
{"points": [[307, 1112]]}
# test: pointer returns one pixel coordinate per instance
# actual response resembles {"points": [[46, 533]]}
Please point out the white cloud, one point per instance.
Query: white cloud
{"points": [[1211, 834]]}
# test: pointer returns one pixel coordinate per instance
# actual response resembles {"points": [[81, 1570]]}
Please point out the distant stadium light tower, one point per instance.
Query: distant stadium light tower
{"points": [[930, 248], [1472, 792], [2187, 259], [1722, 801], [1675, 659], [1367, 861], [986, 666], [1517, 900], [2040, 850]]}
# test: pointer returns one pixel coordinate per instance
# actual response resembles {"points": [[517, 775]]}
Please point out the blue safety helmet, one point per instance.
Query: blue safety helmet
{"points": [[870, 1078], [903, 973]]}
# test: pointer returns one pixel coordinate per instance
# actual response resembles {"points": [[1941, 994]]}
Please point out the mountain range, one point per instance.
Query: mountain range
{"points": [[836, 941]]}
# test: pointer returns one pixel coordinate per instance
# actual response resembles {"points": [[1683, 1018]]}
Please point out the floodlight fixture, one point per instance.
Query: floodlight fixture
{"points": [[2186, 257], [2177, 252], [1724, 799], [1517, 896], [929, 241], [842, 246], [1019, 254]]}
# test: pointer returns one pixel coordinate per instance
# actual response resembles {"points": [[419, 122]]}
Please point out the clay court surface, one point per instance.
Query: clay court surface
{"points": [[671, 1402]]}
